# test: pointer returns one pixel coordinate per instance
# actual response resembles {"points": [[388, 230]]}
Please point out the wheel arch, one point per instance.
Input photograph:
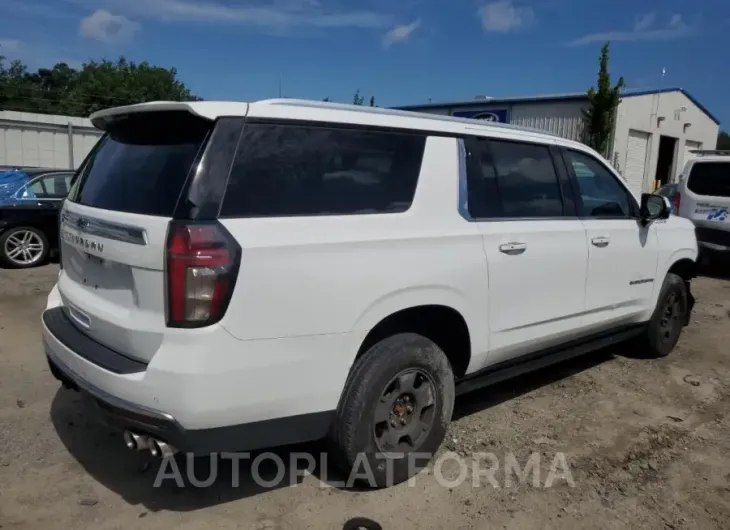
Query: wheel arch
{"points": [[685, 268], [27, 223], [682, 262], [438, 313]]}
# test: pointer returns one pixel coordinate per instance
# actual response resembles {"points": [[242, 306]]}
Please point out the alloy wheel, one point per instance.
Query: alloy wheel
{"points": [[24, 247]]}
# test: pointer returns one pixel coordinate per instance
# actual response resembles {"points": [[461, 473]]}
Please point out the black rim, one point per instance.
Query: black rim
{"points": [[670, 318], [405, 412]]}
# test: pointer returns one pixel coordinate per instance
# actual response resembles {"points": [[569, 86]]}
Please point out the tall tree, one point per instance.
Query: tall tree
{"points": [[602, 102], [97, 85], [723, 141], [357, 99]]}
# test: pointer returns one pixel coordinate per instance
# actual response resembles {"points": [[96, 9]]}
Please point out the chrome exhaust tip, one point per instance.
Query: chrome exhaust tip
{"points": [[136, 442], [162, 449]]}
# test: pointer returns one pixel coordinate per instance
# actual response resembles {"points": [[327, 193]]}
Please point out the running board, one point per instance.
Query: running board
{"points": [[541, 359]]}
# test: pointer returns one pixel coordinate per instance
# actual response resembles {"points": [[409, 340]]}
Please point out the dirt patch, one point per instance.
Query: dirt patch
{"points": [[646, 444]]}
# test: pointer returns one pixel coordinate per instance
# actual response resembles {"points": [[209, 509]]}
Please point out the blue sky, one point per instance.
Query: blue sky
{"points": [[400, 51]]}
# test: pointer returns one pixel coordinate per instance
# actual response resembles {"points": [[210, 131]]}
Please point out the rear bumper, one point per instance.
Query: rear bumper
{"points": [[124, 415], [205, 391]]}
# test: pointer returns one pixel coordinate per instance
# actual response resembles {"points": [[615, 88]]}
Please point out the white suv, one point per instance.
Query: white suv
{"points": [[237, 276], [703, 196]]}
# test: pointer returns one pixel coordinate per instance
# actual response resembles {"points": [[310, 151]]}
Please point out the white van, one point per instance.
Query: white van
{"points": [[237, 276], [703, 196]]}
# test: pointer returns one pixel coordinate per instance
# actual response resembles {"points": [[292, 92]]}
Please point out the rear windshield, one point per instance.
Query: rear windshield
{"points": [[140, 166], [710, 178]]}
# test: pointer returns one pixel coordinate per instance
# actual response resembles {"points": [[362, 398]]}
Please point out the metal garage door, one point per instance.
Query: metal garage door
{"points": [[688, 146], [636, 152]]}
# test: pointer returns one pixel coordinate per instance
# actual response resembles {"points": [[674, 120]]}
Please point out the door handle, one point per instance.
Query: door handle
{"points": [[600, 241], [513, 249]]}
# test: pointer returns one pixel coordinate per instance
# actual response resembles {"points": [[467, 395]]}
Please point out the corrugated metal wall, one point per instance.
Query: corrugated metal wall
{"points": [[563, 118], [43, 140]]}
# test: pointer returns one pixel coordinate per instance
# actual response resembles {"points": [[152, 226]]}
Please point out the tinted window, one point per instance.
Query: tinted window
{"points": [[142, 163], [710, 178], [481, 177], [283, 170], [526, 180], [601, 194]]}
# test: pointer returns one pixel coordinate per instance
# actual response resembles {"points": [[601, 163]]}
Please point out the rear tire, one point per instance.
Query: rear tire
{"points": [[398, 401], [665, 326], [23, 247]]}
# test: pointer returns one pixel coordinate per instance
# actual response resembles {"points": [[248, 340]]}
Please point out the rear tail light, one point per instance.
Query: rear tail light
{"points": [[202, 265], [675, 202]]}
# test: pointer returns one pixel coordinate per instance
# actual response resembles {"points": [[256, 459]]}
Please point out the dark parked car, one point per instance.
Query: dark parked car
{"points": [[29, 216]]}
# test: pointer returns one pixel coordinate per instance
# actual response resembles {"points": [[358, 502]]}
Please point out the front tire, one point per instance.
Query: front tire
{"points": [[669, 317], [394, 411], [23, 247]]}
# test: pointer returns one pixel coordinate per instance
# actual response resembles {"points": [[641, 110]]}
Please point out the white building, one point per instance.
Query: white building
{"points": [[44, 140], [654, 132]]}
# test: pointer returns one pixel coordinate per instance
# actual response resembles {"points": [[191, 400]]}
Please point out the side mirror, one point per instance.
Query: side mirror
{"points": [[654, 207]]}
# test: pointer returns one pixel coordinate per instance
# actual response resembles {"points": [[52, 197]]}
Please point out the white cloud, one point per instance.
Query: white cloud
{"points": [[106, 27], [400, 33], [283, 14], [504, 16], [644, 29], [644, 22]]}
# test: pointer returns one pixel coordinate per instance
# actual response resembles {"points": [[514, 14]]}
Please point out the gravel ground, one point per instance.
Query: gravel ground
{"points": [[646, 444]]}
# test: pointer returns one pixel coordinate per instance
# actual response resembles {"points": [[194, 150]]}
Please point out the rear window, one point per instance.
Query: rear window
{"points": [[140, 166], [292, 170], [710, 178]]}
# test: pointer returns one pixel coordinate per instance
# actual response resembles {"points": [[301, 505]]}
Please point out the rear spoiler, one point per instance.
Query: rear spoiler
{"points": [[204, 109]]}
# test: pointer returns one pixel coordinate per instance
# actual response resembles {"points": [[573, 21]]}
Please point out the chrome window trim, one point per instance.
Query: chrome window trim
{"points": [[106, 229]]}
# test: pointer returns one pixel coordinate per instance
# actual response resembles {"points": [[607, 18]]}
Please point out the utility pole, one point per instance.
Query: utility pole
{"points": [[655, 113], [280, 82]]}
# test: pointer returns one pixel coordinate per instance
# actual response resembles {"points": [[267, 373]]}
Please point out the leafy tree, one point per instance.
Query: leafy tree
{"points": [[602, 102], [723, 141], [97, 85], [372, 101]]}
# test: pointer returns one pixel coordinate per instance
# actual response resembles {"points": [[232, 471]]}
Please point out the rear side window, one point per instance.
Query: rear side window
{"points": [[527, 180], [507, 179], [140, 166], [481, 178], [291, 170], [710, 178]]}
